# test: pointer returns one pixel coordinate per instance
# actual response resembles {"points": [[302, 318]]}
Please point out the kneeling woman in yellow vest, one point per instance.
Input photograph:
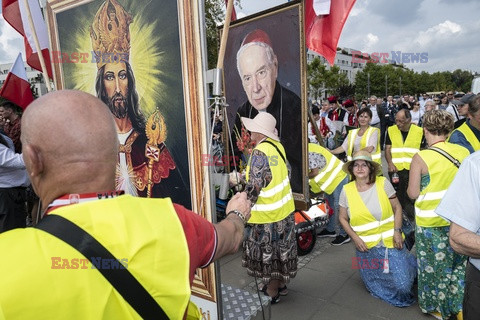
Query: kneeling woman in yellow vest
{"points": [[372, 216], [326, 174], [441, 271]]}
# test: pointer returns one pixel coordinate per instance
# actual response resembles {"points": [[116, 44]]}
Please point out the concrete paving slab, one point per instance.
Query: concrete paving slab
{"points": [[326, 287]]}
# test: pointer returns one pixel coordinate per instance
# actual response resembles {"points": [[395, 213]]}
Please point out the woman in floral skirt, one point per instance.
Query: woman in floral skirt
{"points": [[441, 271]]}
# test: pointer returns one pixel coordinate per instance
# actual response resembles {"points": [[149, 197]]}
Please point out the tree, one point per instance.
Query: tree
{"points": [[322, 79], [335, 80], [401, 80], [316, 77], [214, 16], [462, 80]]}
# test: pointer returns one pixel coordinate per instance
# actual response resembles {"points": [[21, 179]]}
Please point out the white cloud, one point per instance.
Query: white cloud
{"points": [[369, 42], [11, 43], [440, 31]]}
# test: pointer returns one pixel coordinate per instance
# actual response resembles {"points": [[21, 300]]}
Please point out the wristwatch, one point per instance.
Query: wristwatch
{"points": [[239, 214], [398, 229]]}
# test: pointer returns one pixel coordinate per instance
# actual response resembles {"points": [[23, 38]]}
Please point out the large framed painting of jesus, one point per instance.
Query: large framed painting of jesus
{"points": [[143, 59]]}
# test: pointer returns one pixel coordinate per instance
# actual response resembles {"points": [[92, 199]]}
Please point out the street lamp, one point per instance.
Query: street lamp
{"points": [[368, 84], [386, 86]]}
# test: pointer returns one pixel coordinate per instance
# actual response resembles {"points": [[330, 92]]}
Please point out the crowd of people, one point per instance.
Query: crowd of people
{"points": [[399, 220], [425, 142]]}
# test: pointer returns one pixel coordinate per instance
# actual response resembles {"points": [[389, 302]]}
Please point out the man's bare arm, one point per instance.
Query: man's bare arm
{"points": [[464, 241], [230, 230]]}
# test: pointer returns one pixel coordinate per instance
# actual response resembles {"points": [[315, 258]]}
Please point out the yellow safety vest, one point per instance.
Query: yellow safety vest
{"points": [[328, 178], [369, 229], [376, 155], [403, 151], [275, 202], [145, 234], [469, 135], [441, 172]]}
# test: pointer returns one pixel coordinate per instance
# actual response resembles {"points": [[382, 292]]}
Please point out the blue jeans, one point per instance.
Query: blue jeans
{"points": [[334, 224]]}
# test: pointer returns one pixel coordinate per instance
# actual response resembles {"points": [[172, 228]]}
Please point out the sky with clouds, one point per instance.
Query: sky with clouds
{"points": [[11, 43], [446, 29]]}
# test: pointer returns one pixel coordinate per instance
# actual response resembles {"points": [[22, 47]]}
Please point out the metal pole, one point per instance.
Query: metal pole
{"points": [[368, 84], [386, 86]]}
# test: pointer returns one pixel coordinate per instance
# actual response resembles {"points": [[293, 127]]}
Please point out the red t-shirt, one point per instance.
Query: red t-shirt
{"points": [[201, 238]]}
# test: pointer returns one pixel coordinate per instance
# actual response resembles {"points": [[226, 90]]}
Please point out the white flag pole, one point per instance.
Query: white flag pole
{"points": [[37, 45]]}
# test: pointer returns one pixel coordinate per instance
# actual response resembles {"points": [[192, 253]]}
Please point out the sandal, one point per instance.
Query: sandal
{"points": [[282, 291], [275, 299]]}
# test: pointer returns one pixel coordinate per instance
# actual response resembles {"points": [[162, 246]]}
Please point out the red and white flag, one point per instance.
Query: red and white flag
{"points": [[15, 14], [324, 20], [16, 87]]}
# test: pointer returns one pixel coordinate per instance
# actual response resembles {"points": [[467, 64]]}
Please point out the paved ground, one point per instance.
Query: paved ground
{"points": [[326, 287]]}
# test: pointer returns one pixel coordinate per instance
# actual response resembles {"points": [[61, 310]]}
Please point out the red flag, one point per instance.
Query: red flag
{"points": [[234, 13], [322, 32], [15, 14], [16, 87]]}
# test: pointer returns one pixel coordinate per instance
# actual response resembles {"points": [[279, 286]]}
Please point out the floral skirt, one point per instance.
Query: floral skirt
{"points": [[270, 250], [393, 284], [441, 272]]}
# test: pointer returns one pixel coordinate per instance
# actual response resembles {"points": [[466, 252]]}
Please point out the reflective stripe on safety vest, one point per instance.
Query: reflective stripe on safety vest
{"points": [[441, 172], [469, 135], [273, 206], [369, 229], [275, 201], [328, 178], [376, 155], [403, 151]]}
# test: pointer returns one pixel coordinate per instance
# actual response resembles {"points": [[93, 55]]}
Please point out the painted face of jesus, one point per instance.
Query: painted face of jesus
{"points": [[116, 87]]}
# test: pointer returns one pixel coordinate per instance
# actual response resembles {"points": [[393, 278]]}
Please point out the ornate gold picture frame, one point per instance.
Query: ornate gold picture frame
{"points": [[161, 42]]}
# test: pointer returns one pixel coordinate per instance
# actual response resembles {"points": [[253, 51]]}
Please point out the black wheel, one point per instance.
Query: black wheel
{"points": [[305, 239]]}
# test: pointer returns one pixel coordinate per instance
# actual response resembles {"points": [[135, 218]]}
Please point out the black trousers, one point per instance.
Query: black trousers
{"points": [[401, 188], [471, 298], [13, 210]]}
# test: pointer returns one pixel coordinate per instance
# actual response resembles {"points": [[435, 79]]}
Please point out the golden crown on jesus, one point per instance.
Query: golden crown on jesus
{"points": [[110, 34]]}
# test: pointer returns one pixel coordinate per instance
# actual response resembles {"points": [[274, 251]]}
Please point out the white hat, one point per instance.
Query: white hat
{"points": [[263, 123]]}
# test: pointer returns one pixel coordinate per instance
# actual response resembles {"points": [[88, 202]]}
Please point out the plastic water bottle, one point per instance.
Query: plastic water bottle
{"points": [[395, 178]]}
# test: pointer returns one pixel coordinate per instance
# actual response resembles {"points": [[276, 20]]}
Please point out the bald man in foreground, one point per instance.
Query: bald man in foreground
{"points": [[98, 254]]}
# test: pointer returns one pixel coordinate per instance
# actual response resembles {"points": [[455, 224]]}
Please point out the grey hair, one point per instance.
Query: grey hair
{"points": [[474, 104], [271, 57]]}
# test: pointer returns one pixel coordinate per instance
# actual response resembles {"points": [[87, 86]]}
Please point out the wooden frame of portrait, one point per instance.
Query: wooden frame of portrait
{"points": [[191, 78], [284, 25]]}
